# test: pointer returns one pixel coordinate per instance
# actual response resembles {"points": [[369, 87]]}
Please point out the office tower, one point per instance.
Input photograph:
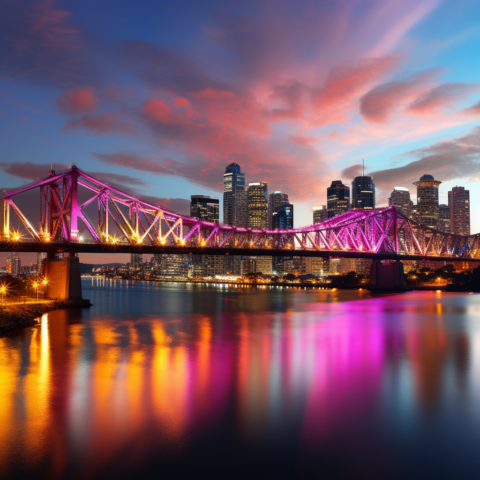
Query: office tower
{"points": [[444, 218], [459, 202], [234, 197], [205, 208], [275, 199], [363, 192], [13, 264], [427, 200], [320, 266], [136, 260], [173, 265], [283, 217], [41, 256], [400, 197], [338, 199], [320, 214], [257, 205]]}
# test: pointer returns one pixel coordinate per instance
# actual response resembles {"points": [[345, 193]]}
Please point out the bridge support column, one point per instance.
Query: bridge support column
{"points": [[387, 276], [64, 282]]}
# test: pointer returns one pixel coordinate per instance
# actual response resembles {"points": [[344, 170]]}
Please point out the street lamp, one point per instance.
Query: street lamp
{"points": [[45, 285], [35, 286], [3, 291]]}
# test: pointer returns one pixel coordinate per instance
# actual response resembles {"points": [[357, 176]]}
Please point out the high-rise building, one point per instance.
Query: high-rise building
{"points": [[234, 197], [400, 197], [283, 217], [136, 260], [41, 256], [427, 200], [257, 205], [275, 199], [338, 199], [14, 264], [363, 192], [320, 214], [444, 218], [205, 208], [459, 202]]}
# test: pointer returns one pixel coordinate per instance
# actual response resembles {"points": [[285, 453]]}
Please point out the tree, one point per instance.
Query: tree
{"points": [[290, 277]]}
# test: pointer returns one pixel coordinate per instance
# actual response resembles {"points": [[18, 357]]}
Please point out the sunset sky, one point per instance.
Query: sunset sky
{"points": [[158, 97]]}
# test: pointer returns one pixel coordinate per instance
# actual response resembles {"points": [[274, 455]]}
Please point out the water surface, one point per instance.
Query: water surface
{"points": [[182, 380]]}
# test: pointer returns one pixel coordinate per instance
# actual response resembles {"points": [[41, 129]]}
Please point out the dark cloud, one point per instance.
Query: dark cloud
{"points": [[100, 124], [351, 172], [40, 43], [442, 96], [454, 159]]}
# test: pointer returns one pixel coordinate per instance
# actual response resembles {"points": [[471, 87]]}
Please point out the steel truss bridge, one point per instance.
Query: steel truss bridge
{"points": [[126, 224]]}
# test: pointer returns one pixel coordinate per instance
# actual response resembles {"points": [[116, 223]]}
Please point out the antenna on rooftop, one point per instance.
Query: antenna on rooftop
{"points": [[363, 161]]}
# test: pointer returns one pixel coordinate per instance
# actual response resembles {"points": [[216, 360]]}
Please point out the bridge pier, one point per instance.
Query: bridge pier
{"points": [[387, 276], [64, 281]]}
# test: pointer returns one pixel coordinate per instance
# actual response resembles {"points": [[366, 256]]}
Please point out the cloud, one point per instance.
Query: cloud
{"points": [[29, 170], [100, 124], [473, 110], [442, 96], [81, 100], [454, 159], [351, 172], [39, 43], [382, 100]]}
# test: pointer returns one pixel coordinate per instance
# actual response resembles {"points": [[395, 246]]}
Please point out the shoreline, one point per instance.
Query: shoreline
{"points": [[15, 317]]}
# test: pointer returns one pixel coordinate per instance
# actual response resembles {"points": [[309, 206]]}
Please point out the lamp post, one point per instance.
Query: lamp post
{"points": [[3, 291], [45, 285], [35, 286]]}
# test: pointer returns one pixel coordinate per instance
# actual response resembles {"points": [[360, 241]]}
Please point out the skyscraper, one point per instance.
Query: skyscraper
{"points": [[444, 218], [13, 264], [41, 256], [136, 260], [275, 199], [257, 205], [363, 192], [205, 208], [338, 199], [459, 202], [283, 217], [320, 214], [234, 197], [400, 197], [427, 200]]}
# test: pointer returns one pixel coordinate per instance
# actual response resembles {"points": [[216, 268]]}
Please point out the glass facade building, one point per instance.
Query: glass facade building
{"points": [[427, 200], [320, 214], [257, 205], [459, 203], [338, 199], [444, 218], [283, 217], [205, 208], [363, 192], [234, 197], [275, 199]]}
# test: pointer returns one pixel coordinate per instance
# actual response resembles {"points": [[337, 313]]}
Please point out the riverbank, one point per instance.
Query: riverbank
{"points": [[14, 317]]}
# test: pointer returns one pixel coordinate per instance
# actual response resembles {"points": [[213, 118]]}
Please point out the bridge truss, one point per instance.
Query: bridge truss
{"points": [[384, 232]]}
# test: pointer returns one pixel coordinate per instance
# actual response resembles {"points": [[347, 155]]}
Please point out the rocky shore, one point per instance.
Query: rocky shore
{"points": [[14, 317]]}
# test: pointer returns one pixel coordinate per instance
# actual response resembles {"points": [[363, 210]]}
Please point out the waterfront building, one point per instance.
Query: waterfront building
{"points": [[444, 218], [459, 202], [283, 217], [41, 256], [136, 261], [14, 264], [234, 197], [338, 199], [257, 205], [363, 192], [427, 200], [400, 197], [275, 199], [173, 265], [320, 266], [205, 208], [320, 214]]}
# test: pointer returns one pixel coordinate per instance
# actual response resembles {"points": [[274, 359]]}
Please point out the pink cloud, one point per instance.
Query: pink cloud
{"points": [[100, 124], [382, 100], [81, 100]]}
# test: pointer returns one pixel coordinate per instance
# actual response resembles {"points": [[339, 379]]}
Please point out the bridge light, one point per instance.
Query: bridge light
{"points": [[182, 241]]}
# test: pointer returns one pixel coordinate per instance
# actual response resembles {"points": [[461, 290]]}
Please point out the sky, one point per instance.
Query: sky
{"points": [[159, 97]]}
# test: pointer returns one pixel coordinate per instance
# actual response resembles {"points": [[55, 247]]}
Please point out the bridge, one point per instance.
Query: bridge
{"points": [[125, 224]]}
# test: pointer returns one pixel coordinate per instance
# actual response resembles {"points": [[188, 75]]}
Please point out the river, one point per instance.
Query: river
{"points": [[179, 380]]}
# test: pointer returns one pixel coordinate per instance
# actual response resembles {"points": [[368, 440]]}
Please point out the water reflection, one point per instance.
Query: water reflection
{"points": [[302, 382]]}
